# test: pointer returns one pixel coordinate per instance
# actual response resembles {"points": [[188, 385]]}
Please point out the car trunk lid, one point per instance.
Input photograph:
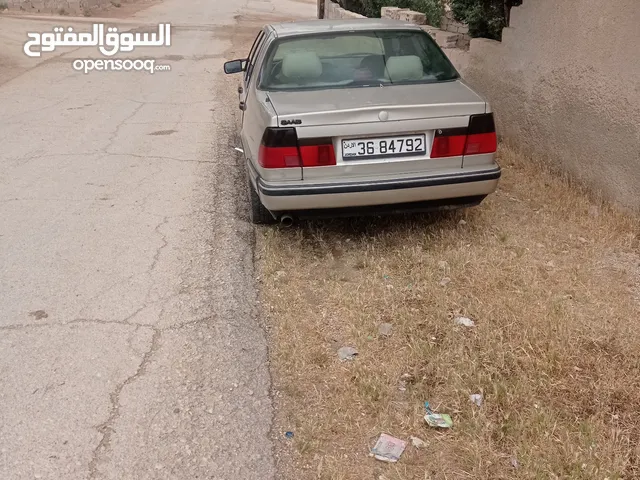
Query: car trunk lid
{"points": [[342, 106], [396, 113]]}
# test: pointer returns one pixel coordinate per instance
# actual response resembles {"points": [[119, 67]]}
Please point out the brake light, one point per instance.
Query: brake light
{"points": [[482, 135], [280, 149], [317, 152], [478, 138], [449, 142]]}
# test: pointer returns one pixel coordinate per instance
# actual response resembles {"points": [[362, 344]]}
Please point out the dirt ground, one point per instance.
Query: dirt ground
{"points": [[551, 280], [116, 9]]}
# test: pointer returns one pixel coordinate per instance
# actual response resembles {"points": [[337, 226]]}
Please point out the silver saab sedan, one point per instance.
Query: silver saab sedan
{"points": [[347, 117]]}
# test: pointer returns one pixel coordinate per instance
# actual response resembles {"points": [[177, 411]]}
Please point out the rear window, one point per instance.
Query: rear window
{"points": [[355, 59]]}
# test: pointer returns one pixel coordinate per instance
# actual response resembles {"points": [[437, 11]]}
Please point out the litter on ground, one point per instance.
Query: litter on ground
{"points": [[388, 448], [417, 442], [476, 398], [464, 321], [438, 420], [347, 353]]}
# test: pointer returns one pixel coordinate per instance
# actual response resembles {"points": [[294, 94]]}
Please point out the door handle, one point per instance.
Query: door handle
{"points": [[242, 106]]}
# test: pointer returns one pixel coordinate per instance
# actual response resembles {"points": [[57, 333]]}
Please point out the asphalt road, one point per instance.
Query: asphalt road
{"points": [[130, 343]]}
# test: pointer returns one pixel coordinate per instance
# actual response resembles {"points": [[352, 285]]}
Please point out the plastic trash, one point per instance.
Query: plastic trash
{"points": [[388, 448], [418, 442], [347, 353], [464, 321], [476, 398], [438, 420], [289, 434]]}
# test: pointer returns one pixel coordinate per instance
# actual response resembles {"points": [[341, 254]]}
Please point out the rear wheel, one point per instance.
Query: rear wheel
{"points": [[258, 214]]}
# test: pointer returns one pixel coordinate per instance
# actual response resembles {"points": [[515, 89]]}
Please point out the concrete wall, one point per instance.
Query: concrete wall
{"points": [[565, 86]]}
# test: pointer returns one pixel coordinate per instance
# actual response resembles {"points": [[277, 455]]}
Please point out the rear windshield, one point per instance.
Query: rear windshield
{"points": [[352, 59]]}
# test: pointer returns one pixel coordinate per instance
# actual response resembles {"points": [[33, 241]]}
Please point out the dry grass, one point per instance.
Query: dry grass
{"points": [[550, 279]]}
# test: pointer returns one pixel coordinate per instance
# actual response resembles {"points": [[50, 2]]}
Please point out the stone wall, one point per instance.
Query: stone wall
{"points": [[444, 38], [449, 24], [334, 11]]}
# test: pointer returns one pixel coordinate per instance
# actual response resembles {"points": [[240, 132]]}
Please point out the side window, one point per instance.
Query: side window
{"points": [[255, 48]]}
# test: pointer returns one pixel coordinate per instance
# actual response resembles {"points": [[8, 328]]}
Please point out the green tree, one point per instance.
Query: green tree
{"points": [[486, 18]]}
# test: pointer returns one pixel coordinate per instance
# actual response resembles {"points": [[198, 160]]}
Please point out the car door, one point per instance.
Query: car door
{"points": [[258, 113], [243, 90]]}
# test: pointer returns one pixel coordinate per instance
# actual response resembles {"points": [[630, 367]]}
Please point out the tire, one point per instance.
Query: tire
{"points": [[258, 214]]}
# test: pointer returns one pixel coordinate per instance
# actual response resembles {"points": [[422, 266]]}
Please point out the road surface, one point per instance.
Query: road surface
{"points": [[130, 343]]}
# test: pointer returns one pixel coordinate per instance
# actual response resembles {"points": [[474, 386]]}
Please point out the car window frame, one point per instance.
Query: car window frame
{"points": [[274, 44], [253, 54]]}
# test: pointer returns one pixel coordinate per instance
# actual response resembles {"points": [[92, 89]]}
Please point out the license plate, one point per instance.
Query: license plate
{"points": [[383, 147]]}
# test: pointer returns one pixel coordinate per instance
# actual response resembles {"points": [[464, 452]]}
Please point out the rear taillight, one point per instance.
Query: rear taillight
{"points": [[478, 138], [280, 149], [317, 152], [482, 135], [449, 142]]}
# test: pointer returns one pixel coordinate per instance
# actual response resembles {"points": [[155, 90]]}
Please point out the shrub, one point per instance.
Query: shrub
{"points": [[486, 18], [4, 6], [433, 9]]}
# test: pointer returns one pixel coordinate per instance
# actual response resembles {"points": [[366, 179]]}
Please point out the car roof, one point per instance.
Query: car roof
{"points": [[306, 27]]}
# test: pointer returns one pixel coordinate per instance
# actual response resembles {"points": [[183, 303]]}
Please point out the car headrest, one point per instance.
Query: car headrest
{"points": [[407, 67], [301, 66], [375, 64]]}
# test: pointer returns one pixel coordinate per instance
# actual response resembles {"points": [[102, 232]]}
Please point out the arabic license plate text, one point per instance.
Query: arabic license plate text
{"points": [[383, 147]]}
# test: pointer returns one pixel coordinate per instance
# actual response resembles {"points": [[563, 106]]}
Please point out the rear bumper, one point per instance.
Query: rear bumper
{"points": [[292, 198]]}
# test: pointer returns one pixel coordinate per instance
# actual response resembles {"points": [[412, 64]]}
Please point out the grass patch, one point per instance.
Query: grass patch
{"points": [[4, 6], [551, 280]]}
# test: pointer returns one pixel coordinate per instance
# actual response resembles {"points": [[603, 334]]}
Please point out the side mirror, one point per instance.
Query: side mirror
{"points": [[235, 66]]}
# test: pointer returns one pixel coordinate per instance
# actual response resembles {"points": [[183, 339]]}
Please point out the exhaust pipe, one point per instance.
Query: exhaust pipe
{"points": [[286, 220]]}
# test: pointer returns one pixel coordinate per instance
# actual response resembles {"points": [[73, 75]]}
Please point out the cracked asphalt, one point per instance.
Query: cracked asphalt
{"points": [[130, 341]]}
